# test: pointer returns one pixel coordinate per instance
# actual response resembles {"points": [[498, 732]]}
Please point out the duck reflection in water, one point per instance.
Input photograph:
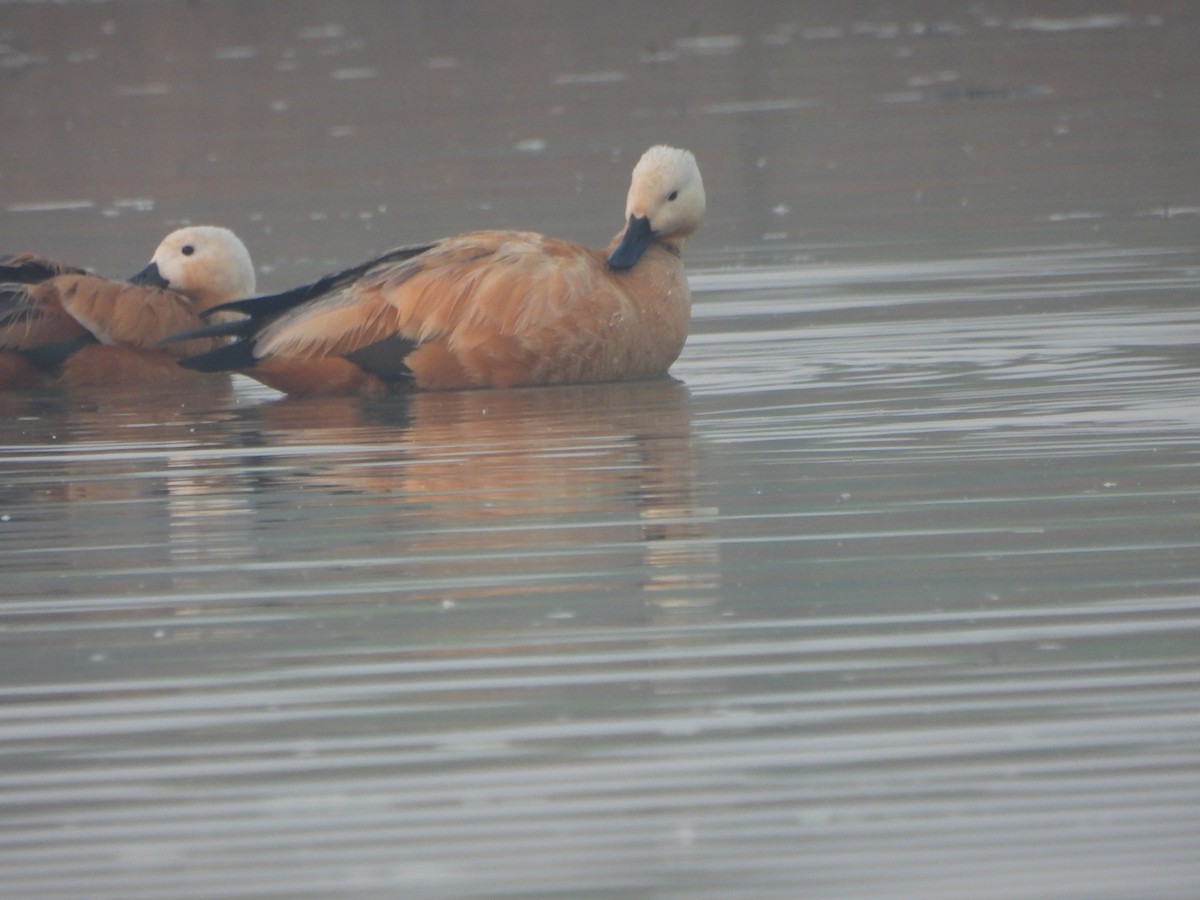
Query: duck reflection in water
{"points": [[482, 493]]}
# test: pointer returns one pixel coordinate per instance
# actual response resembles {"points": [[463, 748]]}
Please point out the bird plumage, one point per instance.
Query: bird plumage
{"points": [[486, 308], [61, 322]]}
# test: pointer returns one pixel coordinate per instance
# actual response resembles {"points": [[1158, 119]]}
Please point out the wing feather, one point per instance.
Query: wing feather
{"points": [[32, 317], [468, 290], [31, 268], [121, 313]]}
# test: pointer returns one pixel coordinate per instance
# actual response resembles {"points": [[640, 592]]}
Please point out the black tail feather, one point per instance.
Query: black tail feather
{"points": [[230, 358], [267, 306], [242, 328], [384, 359]]}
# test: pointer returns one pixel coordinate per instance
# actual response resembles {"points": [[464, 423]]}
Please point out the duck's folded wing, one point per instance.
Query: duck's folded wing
{"points": [[31, 268], [31, 317], [469, 287], [117, 312]]}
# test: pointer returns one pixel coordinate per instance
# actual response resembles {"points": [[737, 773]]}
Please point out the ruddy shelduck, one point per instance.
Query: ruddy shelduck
{"points": [[485, 309], [58, 322]]}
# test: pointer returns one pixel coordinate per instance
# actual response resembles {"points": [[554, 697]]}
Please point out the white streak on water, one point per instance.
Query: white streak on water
{"points": [[151, 89], [755, 106], [607, 77], [1079, 23], [51, 206]]}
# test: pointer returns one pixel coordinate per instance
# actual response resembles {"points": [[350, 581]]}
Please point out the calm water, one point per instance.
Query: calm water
{"points": [[892, 591]]}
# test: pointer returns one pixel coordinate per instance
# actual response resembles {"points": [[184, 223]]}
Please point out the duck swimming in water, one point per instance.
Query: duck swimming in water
{"points": [[486, 308], [60, 323]]}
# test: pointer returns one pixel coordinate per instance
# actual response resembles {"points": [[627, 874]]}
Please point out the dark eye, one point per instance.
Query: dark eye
{"points": [[672, 195], [187, 250]]}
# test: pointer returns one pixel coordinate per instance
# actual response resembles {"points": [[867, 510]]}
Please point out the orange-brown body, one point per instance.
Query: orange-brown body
{"points": [[488, 308], [58, 323]]}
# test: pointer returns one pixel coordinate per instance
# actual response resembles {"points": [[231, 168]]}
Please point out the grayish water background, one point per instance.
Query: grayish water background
{"points": [[892, 591]]}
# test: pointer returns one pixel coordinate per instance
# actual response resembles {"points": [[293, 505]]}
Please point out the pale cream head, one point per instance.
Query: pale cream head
{"points": [[207, 264], [667, 190]]}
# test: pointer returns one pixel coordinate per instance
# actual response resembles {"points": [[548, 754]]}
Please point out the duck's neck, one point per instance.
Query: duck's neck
{"points": [[673, 246]]}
